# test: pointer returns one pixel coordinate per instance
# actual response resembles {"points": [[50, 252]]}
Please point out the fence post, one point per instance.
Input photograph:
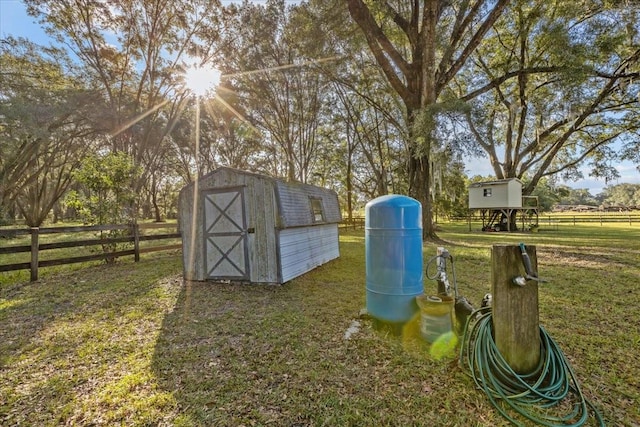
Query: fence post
{"points": [[515, 309], [35, 231], [136, 242]]}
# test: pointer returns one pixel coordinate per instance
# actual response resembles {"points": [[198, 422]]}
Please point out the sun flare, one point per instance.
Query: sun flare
{"points": [[201, 79]]}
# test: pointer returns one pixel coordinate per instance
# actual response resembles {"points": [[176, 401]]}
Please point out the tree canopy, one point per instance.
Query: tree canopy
{"points": [[364, 97], [564, 90]]}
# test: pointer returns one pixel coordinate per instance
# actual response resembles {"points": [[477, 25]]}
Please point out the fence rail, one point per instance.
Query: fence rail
{"points": [[135, 236], [602, 218], [355, 223]]}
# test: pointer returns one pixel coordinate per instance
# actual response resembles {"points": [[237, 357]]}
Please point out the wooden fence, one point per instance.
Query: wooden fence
{"points": [[134, 236], [591, 218], [554, 220], [355, 223]]}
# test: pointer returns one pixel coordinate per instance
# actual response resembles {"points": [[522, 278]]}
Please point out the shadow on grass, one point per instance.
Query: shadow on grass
{"points": [[257, 355], [232, 354]]}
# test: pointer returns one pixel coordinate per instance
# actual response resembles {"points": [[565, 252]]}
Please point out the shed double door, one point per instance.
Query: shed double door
{"points": [[225, 234]]}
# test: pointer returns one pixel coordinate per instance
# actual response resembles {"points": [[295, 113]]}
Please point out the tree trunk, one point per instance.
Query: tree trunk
{"points": [[420, 176], [419, 183], [428, 98], [348, 182], [156, 208]]}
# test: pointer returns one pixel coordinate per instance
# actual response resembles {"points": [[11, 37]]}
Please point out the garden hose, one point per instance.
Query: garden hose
{"points": [[532, 396]]}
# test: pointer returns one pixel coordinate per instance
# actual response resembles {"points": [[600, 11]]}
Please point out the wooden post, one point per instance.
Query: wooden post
{"points": [[515, 309], [136, 242], [35, 231]]}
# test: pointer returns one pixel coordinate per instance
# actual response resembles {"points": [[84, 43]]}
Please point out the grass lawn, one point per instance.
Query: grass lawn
{"points": [[131, 344]]}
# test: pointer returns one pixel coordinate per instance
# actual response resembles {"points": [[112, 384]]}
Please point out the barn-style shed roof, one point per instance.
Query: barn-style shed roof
{"points": [[293, 198]]}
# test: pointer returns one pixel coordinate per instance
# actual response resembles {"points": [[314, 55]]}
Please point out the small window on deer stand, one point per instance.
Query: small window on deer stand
{"points": [[487, 192], [316, 209]]}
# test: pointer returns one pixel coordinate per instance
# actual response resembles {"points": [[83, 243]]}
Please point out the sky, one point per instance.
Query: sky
{"points": [[14, 21]]}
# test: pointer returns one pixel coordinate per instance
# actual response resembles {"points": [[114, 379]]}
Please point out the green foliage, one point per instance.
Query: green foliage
{"points": [[107, 197], [286, 101], [547, 194], [451, 195], [538, 70], [429, 118], [627, 195], [46, 126], [139, 76], [563, 89], [576, 196]]}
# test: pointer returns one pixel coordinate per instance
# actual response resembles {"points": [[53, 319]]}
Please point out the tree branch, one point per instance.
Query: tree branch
{"points": [[495, 83], [444, 77], [459, 27], [381, 47]]}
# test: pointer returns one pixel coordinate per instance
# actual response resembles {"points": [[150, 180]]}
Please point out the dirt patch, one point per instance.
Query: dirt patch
{"points": [[585, 257]]}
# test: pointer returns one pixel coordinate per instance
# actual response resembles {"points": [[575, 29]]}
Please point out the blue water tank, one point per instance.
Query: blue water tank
{"points": [[393, 246]]}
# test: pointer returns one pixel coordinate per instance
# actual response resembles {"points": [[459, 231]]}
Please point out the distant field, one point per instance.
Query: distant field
{"points": [[131, 344]]}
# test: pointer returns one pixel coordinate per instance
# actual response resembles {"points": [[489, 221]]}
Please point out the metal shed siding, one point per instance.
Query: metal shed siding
{"points": [[304, 248], [295, 205], [505, 193]]}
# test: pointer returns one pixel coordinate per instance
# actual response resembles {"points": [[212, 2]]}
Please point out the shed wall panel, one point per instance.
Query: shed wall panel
{"points": [[295, 206], [304, 248], [263, 256], [514, 194], [261, 213], [190, 226]]}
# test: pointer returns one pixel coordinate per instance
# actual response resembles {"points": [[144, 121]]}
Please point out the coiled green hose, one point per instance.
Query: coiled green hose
{"points": [[533, 396]]}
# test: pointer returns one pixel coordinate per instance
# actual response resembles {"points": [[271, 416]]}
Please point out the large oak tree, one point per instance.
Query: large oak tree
{"points": [[48, 125], [572, 90], [421, 45]]}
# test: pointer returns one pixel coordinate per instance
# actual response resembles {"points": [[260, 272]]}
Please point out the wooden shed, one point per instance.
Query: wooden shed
{"points": [[245, 227], [502, 193]]}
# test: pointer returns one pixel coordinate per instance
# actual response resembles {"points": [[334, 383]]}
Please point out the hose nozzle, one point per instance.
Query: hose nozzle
{"points": [[531, 274]]}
